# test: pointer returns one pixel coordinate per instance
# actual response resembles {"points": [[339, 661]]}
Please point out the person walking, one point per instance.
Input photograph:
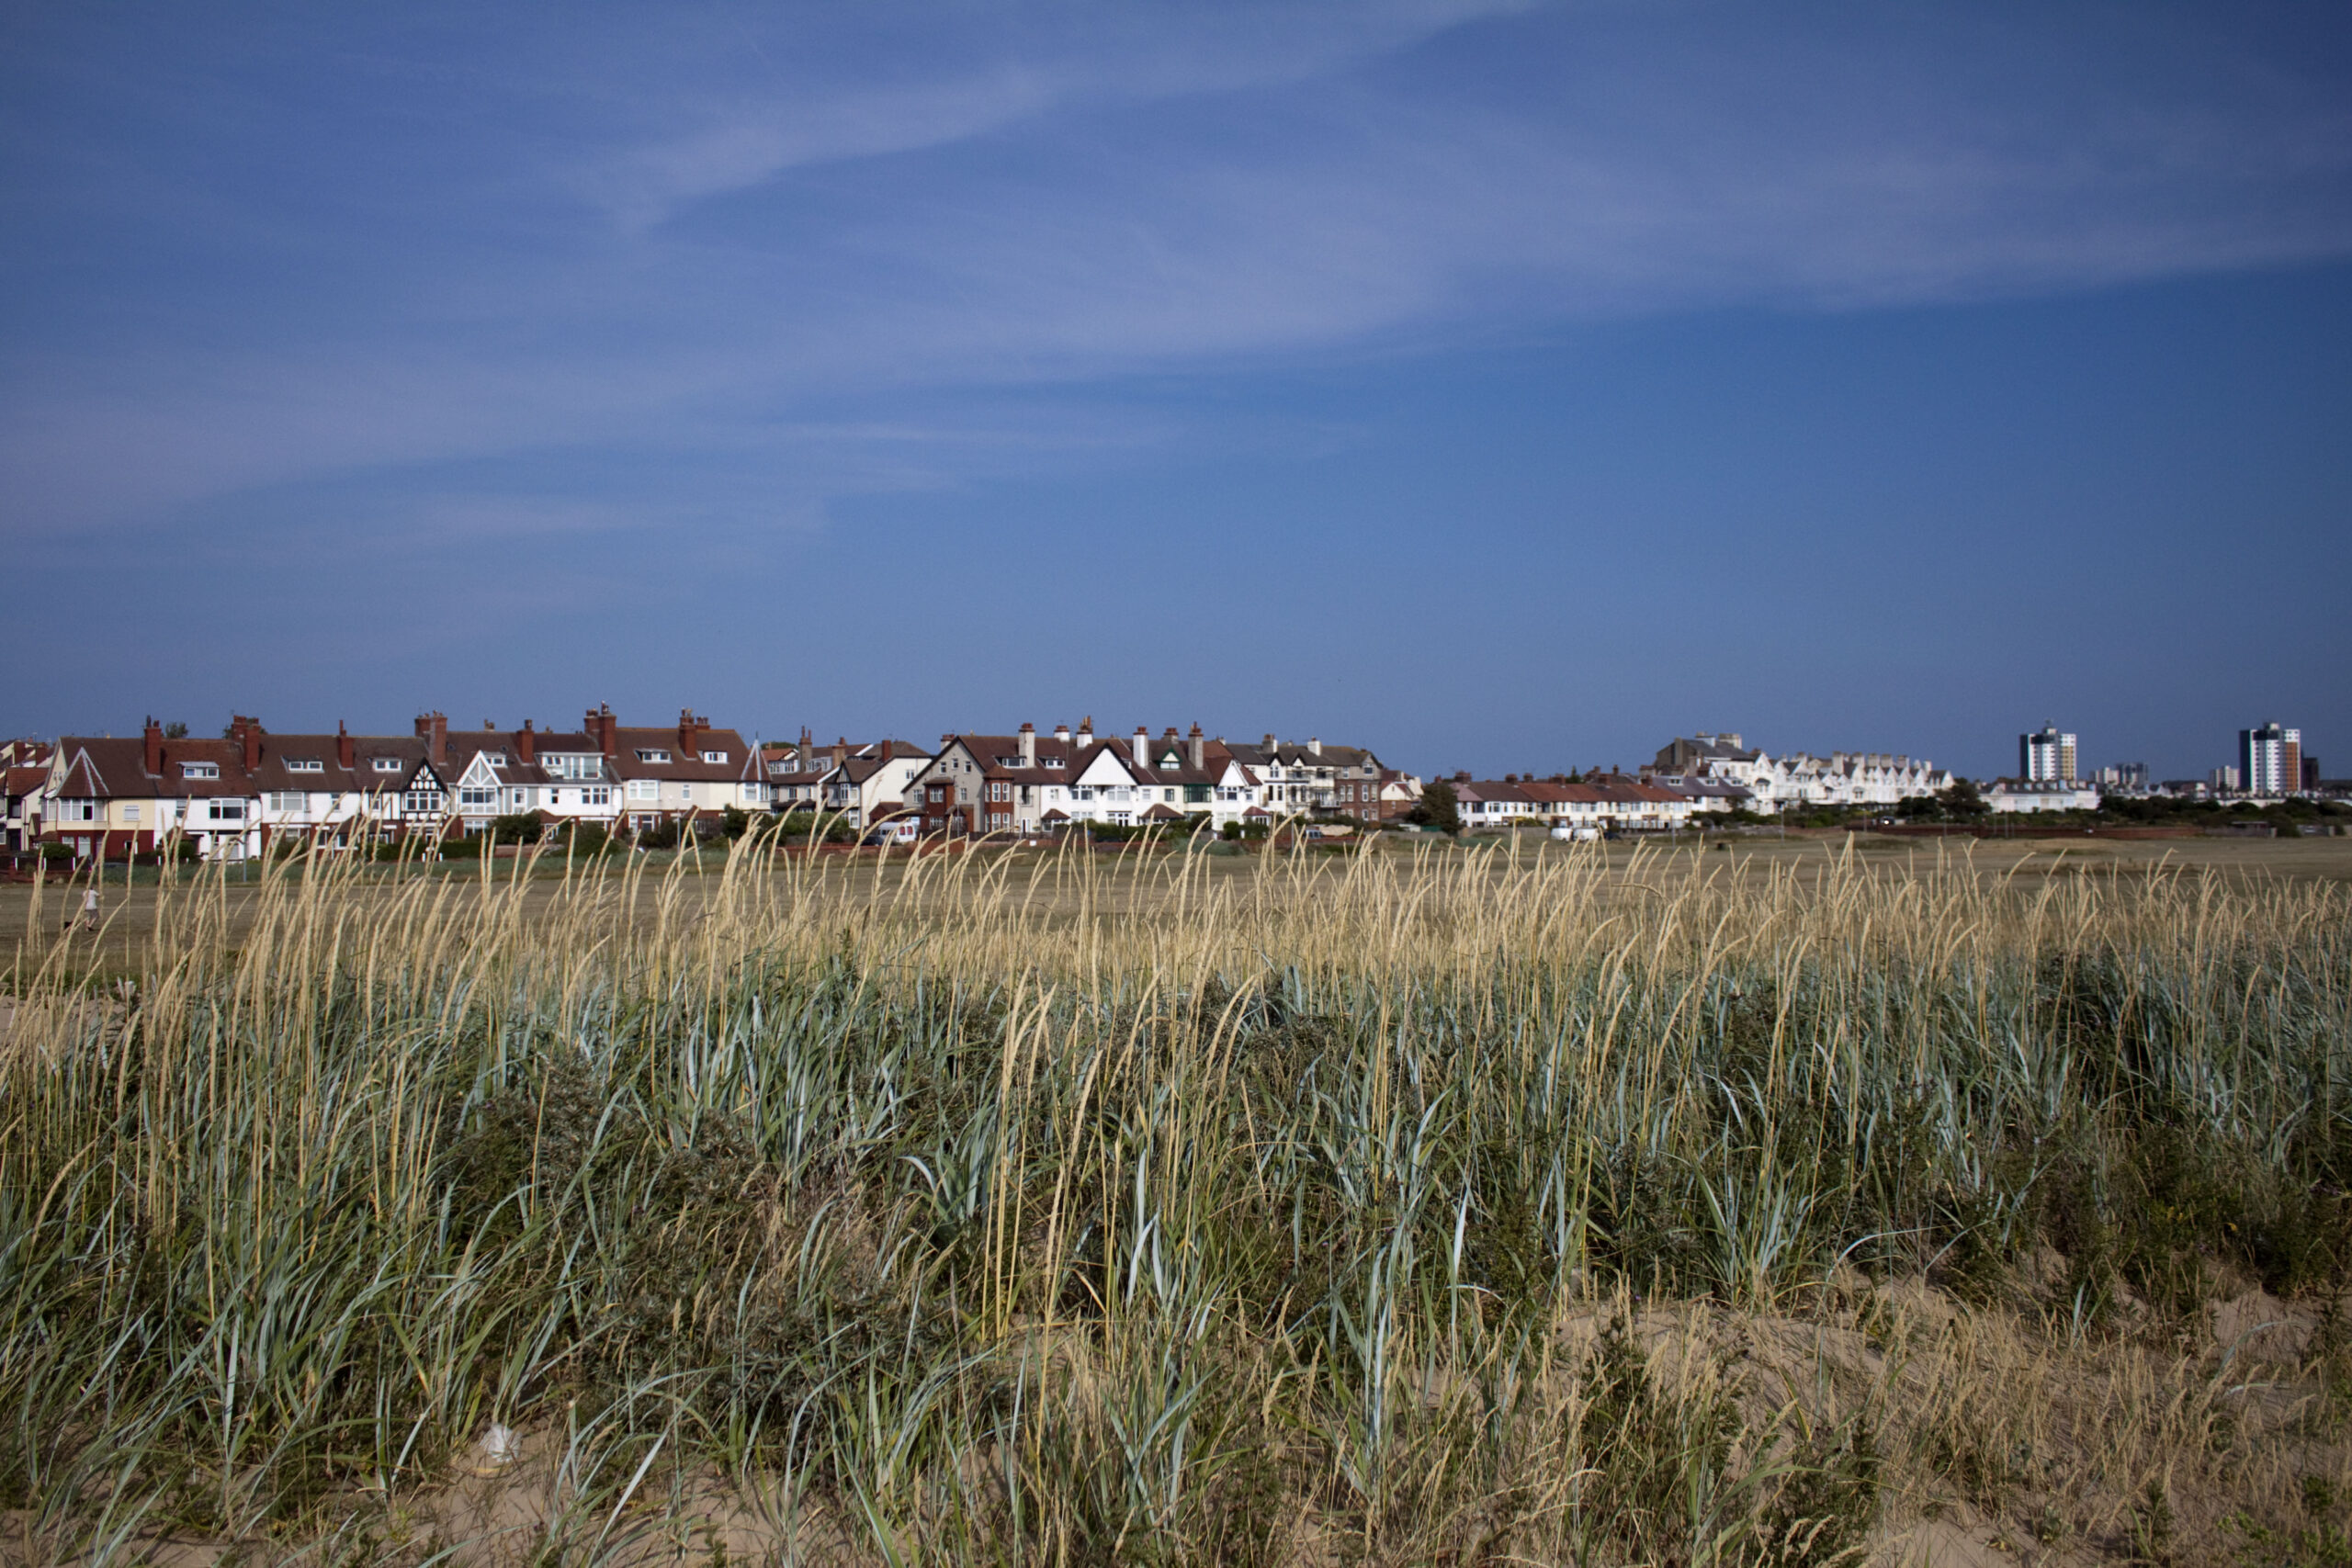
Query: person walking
{"points": [[90, 909]]}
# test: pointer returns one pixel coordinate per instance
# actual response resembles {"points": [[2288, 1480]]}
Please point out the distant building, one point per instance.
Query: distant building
{"points": [[2047, 756], [1798, 779], [2311, 774], [2010, 796], [2127, 778], [2271, 760], [2223, 781]]}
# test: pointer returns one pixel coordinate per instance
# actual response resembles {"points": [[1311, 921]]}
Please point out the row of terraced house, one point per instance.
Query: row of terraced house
{"points": [[230, 798], [1030, 783]]}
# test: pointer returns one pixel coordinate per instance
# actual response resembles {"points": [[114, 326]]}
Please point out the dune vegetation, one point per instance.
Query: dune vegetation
{"points": [[1061, 1208]]}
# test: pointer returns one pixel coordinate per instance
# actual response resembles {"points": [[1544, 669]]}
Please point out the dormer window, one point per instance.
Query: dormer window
{"points": [[651, 754], [387, 764], [714, 756], [495, 758], [200, 770], [305, 765]]}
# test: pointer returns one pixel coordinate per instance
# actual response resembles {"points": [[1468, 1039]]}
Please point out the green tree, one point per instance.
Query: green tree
{"points": [[1437, 808], [176, 730], [1962, 802]]}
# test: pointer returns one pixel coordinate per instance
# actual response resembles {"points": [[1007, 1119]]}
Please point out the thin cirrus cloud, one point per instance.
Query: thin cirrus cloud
{"points": [[683, 239]]}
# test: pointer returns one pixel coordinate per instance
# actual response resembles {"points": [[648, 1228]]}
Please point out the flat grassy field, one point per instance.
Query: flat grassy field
{"points": [[1813, 1201]]}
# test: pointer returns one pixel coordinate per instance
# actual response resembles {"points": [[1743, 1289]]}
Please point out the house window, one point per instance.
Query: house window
{"points": [[686, 793], [200, 770], [130, 811], [387, 764], [422, 802], [645, 789], [305, 765], [652, 754], [573, 765], [999, 790], [223, 810], [477, 797], [714, 756], [495, 758], [77, 811], [286, 801], [600, 795]]}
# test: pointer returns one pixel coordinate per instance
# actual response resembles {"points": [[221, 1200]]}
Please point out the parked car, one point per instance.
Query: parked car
{"points": [[1573, 832]]}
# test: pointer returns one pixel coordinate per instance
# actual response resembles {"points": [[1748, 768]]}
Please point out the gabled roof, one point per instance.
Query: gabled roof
{"points": [[115, 768], [684, 762]]}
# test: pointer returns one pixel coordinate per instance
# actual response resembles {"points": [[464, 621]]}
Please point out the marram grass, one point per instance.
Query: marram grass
{"points": [[1052, 1209]]}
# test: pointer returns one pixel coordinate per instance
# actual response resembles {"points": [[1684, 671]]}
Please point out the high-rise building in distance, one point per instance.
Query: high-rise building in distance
{"points": [[2046, 757], [2271, 760]]}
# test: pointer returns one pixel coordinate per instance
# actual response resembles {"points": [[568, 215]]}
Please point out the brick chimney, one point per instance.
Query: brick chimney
{"points": [[602, 730], [343, 756], [246, 731], [154, 756], [1086, 731], [889, 750], [1269, 741], [1200, 750], [432, 728], [808, 749], [1061, 733], [1028, 745], [526, 744], [840, 751]]}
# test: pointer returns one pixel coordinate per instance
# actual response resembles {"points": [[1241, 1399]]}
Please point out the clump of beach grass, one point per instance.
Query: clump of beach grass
{"points": [[1054, 1208]]}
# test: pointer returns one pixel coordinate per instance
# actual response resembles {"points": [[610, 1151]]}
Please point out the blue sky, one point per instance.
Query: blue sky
{"points": [[1506, 386]]}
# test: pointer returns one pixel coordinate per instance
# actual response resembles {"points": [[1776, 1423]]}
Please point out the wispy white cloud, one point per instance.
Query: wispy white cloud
{"points": [[737, 242]]}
